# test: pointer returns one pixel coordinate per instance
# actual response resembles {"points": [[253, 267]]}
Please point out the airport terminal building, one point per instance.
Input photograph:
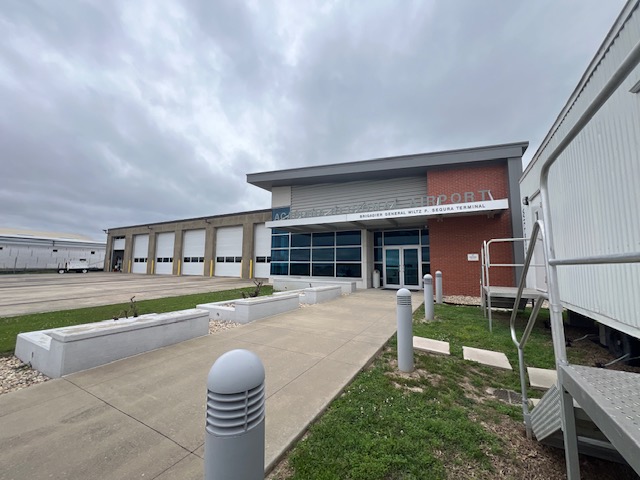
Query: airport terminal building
{"points": [[402, 216]]}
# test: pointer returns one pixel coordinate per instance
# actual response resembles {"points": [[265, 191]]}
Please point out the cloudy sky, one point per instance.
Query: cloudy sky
{"points": [[122, 112]]}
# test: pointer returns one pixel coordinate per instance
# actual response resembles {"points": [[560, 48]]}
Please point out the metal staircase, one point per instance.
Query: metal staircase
{"points": [[608, 399], [591, 410]]}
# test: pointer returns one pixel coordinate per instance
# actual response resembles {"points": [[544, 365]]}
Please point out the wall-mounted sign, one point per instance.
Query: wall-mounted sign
{"points": [[288, 213], [448, 209], [473, 257]]}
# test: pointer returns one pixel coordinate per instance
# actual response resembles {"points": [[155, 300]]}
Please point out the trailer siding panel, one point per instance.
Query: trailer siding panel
{"points": [[595, 194]]}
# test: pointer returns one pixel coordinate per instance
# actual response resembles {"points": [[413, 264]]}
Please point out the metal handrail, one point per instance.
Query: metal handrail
{"points": [[627, 66], [538, 228], [486, 265]]}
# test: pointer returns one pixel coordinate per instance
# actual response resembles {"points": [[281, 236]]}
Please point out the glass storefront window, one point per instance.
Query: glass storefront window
{"points": [[348, 254], [299, 269], [300, 255], [300, 239], [402, 237], [280, 241], [323, 254], [280, 255], [279, 269], [325, 239], [348, 238], [351, 270], [323, 270], [377, 239]]}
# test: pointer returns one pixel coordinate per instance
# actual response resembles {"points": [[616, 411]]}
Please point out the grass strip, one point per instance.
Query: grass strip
{"points": [[431, 423], [10, 327]]}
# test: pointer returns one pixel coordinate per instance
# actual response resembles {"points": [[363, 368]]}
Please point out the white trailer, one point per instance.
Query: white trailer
{"points": [[580, 197], [594, 193], [39, 251]]}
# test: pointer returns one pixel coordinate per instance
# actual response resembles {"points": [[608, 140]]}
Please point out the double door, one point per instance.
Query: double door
{"points": [[402, 267]]}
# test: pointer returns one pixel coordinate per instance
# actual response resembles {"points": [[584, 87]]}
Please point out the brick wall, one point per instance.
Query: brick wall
{"points": [[452, 238]]}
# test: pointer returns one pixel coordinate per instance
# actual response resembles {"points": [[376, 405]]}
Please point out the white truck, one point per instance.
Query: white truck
{"points": [[78, 266]]}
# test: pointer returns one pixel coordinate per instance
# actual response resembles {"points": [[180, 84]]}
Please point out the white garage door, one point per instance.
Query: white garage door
{"points": [[262, 249], [164, 253], [229, 251], [140, 252], [193, 252], [118, 244]]}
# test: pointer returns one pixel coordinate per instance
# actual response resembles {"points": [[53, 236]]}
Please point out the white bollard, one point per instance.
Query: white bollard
{"points": [[439, 287], [428, 297], [234, 433], [405, 331]]}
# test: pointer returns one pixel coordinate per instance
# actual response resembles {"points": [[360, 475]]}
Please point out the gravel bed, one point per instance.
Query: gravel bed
{"points": [[461, 300], [15, 375], [216, 326]]}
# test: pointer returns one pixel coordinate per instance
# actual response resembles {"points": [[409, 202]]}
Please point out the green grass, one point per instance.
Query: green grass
{"points": [[423, 425], [10, 327]]}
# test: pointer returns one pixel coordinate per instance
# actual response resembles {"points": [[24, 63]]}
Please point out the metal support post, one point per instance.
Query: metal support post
{"points": [[438, 287], [428, 297], [234, 433], [405, 331]]}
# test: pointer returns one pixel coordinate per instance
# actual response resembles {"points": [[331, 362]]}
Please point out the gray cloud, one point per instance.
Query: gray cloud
{"points": [[120, 113]]}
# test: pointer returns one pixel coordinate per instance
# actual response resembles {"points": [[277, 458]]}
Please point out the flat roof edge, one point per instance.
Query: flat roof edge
{"points": [[195, 219], [266, 180]]}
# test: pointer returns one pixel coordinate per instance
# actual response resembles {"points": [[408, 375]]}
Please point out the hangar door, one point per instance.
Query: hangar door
{"points": [[117, 255], [164, 253], [193, 252], [140, 252], [262, 249], [229, 251]]}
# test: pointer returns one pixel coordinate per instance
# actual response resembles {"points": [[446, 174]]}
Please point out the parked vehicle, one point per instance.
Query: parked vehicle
{"points": [[78, 266]]}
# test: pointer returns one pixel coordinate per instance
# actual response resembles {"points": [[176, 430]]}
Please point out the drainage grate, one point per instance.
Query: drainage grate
{"points": [[509, 396]]}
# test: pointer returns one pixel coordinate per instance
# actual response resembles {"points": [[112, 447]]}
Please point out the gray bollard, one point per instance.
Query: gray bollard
{"points": [[405, 331], [438, 287], [428, 297], [234, 433]]}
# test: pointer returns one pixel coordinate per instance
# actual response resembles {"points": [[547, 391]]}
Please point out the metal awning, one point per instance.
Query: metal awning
{"points": [[388, 219]]}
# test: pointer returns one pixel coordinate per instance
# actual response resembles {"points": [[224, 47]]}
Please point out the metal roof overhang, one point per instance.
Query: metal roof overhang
{"points": [[413, 218], [382, 168]]}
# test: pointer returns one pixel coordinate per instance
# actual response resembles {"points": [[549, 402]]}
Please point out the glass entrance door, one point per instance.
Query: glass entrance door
{"points": [[402, 267]]}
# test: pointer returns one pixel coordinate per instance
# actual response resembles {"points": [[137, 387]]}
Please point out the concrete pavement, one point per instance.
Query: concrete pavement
{"points": [[48, 292], [143, 417]]}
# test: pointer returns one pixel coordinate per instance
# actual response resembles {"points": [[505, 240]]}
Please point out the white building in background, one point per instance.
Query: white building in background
{"points": [[24, 250]]}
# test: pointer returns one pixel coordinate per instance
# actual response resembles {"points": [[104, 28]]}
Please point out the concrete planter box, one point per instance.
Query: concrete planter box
{"points": [[245, 310], [314, 295], [61, 351], [281, 284]]}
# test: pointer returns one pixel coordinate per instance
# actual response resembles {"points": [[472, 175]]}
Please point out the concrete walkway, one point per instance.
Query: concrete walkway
{"points": [[143, 417]]}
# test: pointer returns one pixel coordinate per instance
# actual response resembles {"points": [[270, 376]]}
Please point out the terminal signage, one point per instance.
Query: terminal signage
{"points": [[436, 210], [442, 200]]}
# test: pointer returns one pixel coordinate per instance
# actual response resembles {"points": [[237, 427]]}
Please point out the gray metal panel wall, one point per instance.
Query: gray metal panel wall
{"points": [[594, 193], [328, 195]]}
